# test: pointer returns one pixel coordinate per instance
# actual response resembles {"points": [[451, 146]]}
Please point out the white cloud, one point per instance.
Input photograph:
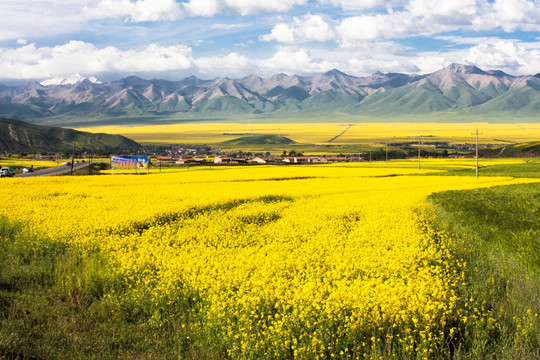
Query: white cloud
{"points": [[245, 44], [281, 33], [22, 41], [243, 7], [292, 60], [455, 11], [517, 14], [31, 62], [369, 66], [505, 55], [308, 28], [232, 63], [226, 26], [249, 7], [203, 7], [462, 40], [415, 18], [140, 10], [362, 4], [30, 19], [376, 27]]}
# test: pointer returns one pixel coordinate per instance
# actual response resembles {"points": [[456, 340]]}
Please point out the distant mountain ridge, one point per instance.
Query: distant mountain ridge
{"points": [[18, 136], [455, 88]]}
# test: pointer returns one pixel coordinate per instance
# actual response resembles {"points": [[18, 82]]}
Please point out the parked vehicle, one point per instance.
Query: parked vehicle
{"points": [[28, 169], [7, 172]]}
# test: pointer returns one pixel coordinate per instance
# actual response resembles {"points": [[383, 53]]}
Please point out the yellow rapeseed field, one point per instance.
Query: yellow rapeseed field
{"points": [[321, 133], [278, 262]]}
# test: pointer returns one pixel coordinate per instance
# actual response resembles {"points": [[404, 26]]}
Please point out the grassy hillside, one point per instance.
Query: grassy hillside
{"points": [[531, 148], [259, 140], [409, 99], [18, 136], [521, 101]]}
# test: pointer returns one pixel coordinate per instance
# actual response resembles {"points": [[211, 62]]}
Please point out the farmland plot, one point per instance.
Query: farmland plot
{"points": [[298, 262]]}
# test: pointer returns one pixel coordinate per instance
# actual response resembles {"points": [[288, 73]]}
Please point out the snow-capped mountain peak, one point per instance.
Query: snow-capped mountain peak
{"points": [[71, 79]]}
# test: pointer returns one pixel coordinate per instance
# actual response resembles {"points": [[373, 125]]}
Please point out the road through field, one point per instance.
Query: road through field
{"points": [[52, 171]]}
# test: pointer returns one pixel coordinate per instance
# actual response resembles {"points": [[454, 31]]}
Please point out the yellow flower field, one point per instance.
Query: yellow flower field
{"points": [[7, 162], [271, 262], [321, 133]]}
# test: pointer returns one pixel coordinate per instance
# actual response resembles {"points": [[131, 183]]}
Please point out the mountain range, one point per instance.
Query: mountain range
{"points": [[455, 89]]}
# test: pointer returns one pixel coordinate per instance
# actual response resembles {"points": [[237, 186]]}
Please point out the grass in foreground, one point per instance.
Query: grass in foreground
{"points": [[499, 231], [53, 305]]}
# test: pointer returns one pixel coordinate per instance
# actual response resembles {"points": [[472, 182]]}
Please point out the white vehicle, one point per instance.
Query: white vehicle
{"points": [[28, 169], [7, 172]]}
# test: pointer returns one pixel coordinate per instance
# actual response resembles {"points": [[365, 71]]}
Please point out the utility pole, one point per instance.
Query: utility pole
{"points": [[72, 158], [476, 153], [418, 152]]}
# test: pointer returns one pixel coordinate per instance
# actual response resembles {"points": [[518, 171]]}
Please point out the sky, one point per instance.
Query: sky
{"points": [[173, 39]]}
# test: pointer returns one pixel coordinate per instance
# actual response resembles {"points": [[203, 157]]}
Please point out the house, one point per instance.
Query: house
{"points": [[319, 160], [258, 160], [222, 159], [170, 159], [185, 161], [289, 160]]}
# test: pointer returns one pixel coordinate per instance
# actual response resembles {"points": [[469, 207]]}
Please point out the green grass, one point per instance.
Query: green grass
{"points": [[499, 241], [56, 303], [259, 140], [530, 169]]}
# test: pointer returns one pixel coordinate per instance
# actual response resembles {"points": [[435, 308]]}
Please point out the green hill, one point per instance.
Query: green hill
{"points": [[260, 140], [18, 136], [520, 101], [513, 150], [411, 99], [330, 101]]}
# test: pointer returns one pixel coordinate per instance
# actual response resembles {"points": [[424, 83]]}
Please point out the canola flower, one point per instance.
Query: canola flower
{"points": [[290, 262], [320, 133]]}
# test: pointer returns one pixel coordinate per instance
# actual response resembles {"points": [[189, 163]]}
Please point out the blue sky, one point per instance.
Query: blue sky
{"points": [[171, 39]]}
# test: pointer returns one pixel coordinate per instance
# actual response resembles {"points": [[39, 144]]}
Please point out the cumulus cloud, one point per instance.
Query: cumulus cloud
{"points": [[456, 11], [140, 10], [505, 55], [308, 28], [412, 18], [170, 10], [232, 63], [517, 14], [243, 7], [376, 27], [31, 62], [24, 19], [369, 66], [362, 4], [464, 40], [292, 60]]}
